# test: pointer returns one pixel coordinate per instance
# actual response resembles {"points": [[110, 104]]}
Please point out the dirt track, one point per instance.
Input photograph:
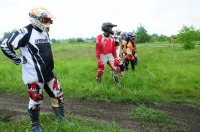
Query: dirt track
{"points": [[107, 112]]}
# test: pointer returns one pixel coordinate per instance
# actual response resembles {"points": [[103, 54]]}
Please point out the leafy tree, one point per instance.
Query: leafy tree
{"points": [[55, 41], [154, 37], [92, 40], [157, 38], [163, 38], [72, 40], [187, 36], [6, 35], [173, 39], [80, 39], [142, 35]]}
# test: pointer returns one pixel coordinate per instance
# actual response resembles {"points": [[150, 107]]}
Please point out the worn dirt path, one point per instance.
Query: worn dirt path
{"points": [[107, 112]]}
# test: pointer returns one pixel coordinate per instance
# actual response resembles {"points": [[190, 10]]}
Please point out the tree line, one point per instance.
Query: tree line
{"points": [[188, 36]]}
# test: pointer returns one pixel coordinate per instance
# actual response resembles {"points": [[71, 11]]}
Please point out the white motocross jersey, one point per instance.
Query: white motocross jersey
{"points": [[36, 48]]}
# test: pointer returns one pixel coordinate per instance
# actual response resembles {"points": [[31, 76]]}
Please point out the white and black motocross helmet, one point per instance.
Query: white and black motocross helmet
{"points": [[107, 27], [41, 18]]}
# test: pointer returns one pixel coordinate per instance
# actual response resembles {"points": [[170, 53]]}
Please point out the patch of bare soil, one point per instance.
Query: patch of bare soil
{"points": [[13, 107]]}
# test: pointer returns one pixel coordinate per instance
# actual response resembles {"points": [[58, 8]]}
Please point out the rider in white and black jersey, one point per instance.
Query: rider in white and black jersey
{"points": [[37, 63], [37, 60]]}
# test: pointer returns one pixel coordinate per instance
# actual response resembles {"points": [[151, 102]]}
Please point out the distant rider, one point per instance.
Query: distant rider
{"points": [[106, 52], [129, 50]]}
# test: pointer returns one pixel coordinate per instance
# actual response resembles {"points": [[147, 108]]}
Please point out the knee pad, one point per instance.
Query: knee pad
{"points": [[100, 72], [34, 92], [56, 89]]}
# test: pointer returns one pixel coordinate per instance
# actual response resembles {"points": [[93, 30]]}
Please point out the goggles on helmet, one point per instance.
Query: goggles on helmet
{"points": [[45, 20], [41, 19]]}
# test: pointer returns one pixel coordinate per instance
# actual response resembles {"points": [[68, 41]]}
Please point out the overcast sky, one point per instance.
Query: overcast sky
{"points": [[83, 18]]}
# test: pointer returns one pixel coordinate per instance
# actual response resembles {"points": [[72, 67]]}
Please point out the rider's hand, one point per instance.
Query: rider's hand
{"points": [[20, 60]]}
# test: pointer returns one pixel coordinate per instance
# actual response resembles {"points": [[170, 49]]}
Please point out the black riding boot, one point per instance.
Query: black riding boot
{"points": [[34, 115]]}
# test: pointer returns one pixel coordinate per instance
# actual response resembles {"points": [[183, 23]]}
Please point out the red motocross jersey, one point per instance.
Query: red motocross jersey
{"points": [[105, 45]]}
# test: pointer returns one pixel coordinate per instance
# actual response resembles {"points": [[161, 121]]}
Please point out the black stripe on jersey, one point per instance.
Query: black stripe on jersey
{"points": [[10, 47], [36, 60], [7, 49], [25, 39], [14, 35], [20, 31]]}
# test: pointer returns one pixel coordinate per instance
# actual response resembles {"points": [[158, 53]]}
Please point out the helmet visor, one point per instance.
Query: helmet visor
{"points": [[45, 20]]}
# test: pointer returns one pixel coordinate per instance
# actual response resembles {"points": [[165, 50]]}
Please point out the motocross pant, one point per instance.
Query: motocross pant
{"points": [[107, 58], [35, 93]]}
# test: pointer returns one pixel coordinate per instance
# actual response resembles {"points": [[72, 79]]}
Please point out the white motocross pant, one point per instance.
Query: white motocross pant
{"points": [[35, 93]]}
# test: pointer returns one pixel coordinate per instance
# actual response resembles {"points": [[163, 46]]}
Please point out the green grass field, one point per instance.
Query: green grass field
{"points": [[166, 73]]}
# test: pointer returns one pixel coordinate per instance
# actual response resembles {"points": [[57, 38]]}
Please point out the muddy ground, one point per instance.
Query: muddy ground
{"points": [[189, 115]]}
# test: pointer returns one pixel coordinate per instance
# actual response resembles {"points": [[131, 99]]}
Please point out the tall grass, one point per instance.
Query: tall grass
{"points": [[165, 73]]}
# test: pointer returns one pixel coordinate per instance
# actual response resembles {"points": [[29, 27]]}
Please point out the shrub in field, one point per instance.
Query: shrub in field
{"points": [[187, 36], [141, 35], [72, 40]]}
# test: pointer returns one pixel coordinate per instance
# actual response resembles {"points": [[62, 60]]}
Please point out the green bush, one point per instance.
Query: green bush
{"points": [[187, 36], [72, 40]]}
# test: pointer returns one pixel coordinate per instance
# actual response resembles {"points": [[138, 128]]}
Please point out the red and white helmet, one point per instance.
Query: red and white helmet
{"points": [[41, 18]]}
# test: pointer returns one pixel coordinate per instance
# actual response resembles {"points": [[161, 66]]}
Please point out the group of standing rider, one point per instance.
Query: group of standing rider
{"points": [[108, 47]]}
